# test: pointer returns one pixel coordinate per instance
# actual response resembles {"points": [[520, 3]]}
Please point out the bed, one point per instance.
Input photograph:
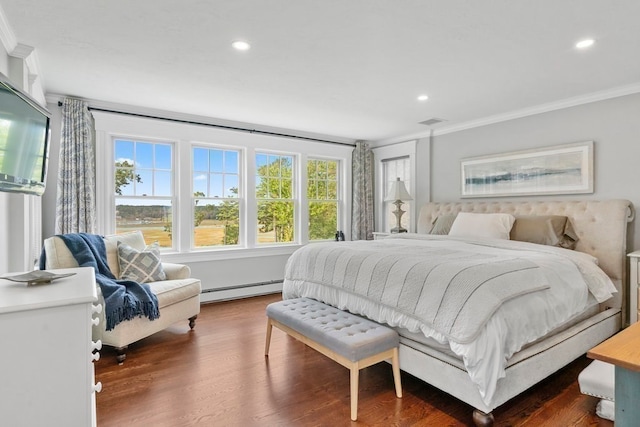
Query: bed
{"points": [[471, 332]]}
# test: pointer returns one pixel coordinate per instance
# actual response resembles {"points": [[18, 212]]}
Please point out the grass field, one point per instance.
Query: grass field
{"points": [[208, 233]]}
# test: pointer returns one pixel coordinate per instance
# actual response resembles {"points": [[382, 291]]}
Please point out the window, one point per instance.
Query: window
{"points": [[393, 169], [323, 198], [275, 198], [216, 188], [210, 194], [144, 189]]}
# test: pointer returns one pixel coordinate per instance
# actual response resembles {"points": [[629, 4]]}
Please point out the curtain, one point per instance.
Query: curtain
{"points": [[75, 203], [362, 226]]}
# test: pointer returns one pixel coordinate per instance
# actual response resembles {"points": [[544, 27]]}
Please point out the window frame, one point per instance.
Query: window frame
{"points": [[184, 136], [388, 220], [241, 198], [110, 181], [339, 200], [295, 196], [386, 153]]}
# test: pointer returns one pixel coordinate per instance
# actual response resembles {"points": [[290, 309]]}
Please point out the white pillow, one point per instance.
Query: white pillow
{"points": [[493, 225]]}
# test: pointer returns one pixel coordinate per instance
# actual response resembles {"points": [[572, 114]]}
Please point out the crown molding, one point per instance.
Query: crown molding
{"points": [[525, 112], [22, 51], [544, 108]]}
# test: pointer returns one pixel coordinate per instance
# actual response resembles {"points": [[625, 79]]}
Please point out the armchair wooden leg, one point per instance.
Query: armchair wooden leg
{"points": [[121, 354], [192, 321]]}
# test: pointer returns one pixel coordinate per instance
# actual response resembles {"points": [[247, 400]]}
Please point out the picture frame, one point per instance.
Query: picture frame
{"points": [[560, 169]]}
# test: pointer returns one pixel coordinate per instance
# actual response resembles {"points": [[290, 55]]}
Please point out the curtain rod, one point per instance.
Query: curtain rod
{"points": [[234, 128]]}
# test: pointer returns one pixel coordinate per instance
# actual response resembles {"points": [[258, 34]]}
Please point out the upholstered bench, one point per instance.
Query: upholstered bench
{"points": [[350, 340], [598, 380]]}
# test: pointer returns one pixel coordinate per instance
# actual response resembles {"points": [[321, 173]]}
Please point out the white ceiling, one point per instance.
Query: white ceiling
{"points": [[345, 68]]}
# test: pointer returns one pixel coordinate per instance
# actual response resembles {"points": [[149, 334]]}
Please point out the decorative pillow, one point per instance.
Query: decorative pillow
{"points": [[140, 266], [552, 230], [570, 237], [442, 224], [492, 225]]}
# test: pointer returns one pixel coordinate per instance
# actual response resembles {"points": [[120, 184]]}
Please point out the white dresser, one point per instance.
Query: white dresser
{"points": [[46, 352]]}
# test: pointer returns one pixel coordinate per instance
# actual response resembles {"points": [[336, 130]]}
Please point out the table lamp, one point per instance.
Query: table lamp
{"points": [[397, 194]]}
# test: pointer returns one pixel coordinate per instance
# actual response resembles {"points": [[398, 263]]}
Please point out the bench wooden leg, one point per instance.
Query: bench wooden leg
{"points": [[354, 367], [355, 374], [267, 343], [395, 363]]}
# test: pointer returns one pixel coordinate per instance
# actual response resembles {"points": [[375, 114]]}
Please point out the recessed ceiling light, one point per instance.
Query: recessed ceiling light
{"points": [[241, 45], [583, 44], [423, 98]]}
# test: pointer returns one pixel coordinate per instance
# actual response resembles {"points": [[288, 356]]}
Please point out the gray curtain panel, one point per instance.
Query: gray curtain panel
{"points": [[362, 225], [75, 203]]}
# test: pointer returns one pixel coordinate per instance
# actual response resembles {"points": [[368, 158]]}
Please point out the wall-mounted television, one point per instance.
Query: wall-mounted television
{"points": [[24, 141]]}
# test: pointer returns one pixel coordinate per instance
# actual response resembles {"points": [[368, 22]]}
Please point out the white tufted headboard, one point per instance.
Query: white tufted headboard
{"points": [[600, 225]]}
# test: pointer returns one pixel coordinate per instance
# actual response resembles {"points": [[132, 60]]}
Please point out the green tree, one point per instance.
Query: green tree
{"points": [[322, 192], [125, 175], [198, 214], [229, 213], [275, 182], [323, 220]]}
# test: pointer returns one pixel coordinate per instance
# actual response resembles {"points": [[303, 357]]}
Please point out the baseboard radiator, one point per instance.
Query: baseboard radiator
{"points": [[236, 291]]}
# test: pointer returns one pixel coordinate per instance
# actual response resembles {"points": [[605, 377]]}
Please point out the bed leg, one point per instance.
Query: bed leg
{"points": [[481, 419]]}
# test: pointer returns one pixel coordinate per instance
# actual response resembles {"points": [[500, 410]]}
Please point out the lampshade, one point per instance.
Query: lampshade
{"points": [[397, 192]]}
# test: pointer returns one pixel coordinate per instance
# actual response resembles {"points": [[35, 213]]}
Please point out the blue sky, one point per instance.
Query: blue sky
{"points": [[215, 170]]}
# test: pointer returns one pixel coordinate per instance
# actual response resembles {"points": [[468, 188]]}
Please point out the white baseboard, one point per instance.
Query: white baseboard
{"points": [[244, 291]]}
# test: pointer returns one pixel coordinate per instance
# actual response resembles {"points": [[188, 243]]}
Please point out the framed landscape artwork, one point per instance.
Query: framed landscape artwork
{"points": [[562, 169]]}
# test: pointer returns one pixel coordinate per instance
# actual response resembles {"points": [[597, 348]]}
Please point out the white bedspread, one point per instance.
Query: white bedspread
{"points": [[569, 276]]}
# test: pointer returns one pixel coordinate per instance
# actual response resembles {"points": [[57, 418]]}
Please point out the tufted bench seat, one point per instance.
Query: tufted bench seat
{"points": [[350, 340]]}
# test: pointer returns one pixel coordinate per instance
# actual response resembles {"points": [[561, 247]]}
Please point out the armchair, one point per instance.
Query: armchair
{"points": [[178, 295]]}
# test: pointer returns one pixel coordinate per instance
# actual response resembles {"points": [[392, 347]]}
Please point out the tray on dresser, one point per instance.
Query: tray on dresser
{"points": [[36, 277]]}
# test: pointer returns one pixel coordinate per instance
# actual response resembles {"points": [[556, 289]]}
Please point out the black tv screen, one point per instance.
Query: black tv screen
{"points": [[24, 141]]}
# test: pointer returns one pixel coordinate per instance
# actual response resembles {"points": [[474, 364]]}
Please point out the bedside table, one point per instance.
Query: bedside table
{"points": [[381, 235], [634, 283]]}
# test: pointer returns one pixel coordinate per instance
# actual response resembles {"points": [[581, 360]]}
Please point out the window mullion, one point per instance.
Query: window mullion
{"points": [[302, 201], [249, 219], [182, 195], [105, 182]]}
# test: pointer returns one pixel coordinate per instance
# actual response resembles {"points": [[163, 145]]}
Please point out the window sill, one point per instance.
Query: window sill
{"points": [[228, 253]]}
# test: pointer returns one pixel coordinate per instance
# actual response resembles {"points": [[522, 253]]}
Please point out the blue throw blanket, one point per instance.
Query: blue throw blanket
{"points": [[123, 299]]}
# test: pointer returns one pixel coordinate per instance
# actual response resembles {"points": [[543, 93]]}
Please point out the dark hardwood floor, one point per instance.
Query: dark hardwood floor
{"points": [[217, 375]]}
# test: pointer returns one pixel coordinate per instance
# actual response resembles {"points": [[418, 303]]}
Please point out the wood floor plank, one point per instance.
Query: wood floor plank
{"points": [[217, 375]]}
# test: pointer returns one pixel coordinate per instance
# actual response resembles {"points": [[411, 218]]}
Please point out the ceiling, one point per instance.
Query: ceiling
{"points": [[349, 69]]}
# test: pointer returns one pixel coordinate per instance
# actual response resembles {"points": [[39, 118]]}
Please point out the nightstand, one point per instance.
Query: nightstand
{"points": [[634, 283], [381, 235]]}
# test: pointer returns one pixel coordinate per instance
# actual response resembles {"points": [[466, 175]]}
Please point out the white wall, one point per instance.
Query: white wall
{"points": [[49, 196], [4, 197], [19, 213], [224, 274], [613, 125]]}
